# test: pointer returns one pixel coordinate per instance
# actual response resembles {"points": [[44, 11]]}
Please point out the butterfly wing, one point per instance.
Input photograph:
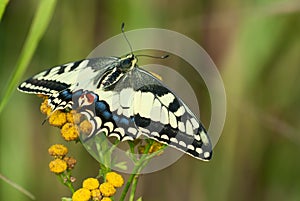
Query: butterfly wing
{"points": [[161, 115], [60, 82], [137, 104]]}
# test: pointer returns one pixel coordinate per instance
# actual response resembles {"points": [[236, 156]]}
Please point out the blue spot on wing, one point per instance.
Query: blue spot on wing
{"points": [[106, 115], [100, 106], [115, 118], [124, 121], [66, 95], [101, 109]]}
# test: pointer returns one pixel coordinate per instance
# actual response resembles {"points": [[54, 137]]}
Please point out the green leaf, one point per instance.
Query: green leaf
{"points": [[38, 27], [121, 165]]}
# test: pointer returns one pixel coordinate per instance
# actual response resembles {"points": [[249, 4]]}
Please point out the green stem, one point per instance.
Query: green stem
{"points": [[139, 166], [126, 188], [66, 181], [106, 157], [133, 187], [134, 173], [70, 186]]}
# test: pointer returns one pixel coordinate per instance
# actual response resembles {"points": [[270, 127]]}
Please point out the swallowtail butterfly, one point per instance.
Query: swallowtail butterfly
{"points": [[122, 100]]}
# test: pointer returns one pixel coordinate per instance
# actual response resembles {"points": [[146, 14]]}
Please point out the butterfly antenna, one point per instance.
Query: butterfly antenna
{"points": [[122, 29], [140, 55], [155, 57]]}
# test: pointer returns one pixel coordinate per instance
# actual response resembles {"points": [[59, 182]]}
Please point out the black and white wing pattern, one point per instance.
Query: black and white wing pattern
{"points": [[166, 118], [123, 101], [60, 82]]}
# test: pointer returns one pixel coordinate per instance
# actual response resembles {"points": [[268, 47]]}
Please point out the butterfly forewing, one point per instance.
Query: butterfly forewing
{"points": [[60, 82]]}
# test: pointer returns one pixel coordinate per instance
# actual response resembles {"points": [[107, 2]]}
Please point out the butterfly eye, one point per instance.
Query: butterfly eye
{"points": [[126, 63]]}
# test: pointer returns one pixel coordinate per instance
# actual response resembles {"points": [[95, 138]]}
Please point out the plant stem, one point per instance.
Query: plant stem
{"points": [[126, 188], [65, 180], [134, 173], [139, 165], [133, 187], [132, 176]]}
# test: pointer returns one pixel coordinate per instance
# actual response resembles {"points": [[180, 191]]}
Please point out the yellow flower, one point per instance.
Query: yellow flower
{"points": [[85, 127], [45, 108], [73, 117], [71, 162], [107, 189], [156, 146], [96, 195], [81, 194], [58, 150], [115, 179], [57, 166], [69, 132], [106, 199], [57, 118], [42, 96], [90, 183]]}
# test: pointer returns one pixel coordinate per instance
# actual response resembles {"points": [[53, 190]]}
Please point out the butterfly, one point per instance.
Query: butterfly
{"points": [[122, 100]]}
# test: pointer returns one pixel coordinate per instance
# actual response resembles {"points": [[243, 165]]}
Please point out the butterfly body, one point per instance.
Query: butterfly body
{"points": [[124, 101]]}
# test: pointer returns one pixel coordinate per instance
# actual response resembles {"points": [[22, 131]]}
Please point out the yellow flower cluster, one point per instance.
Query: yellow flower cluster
{"points": [[58, 166], [90, 183], [81, 194], [58, 150], [71, 123], [60, 163], [115, 179], [156, 146], [45, 109], [91, 188], [57, 118], [69, 131]]}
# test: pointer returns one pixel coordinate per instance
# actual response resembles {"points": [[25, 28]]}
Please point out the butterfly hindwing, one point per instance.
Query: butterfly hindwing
{"points": [[161, 115], [103, 114]]}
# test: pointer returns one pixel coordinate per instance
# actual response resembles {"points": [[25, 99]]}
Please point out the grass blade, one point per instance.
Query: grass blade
{"points": [[3, 4], [19, 188], [38, 27]]}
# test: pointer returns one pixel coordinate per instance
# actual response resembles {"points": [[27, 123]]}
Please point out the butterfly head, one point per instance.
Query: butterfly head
{"points": [[127, 63]]}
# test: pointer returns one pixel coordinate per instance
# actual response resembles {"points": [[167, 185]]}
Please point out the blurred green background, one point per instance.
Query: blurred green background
{"points": [[256, 46]]}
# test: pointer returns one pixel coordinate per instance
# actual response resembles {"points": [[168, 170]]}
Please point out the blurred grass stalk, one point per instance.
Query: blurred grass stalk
{"points": [[38, 27], [16, 186], [3, 4]]}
